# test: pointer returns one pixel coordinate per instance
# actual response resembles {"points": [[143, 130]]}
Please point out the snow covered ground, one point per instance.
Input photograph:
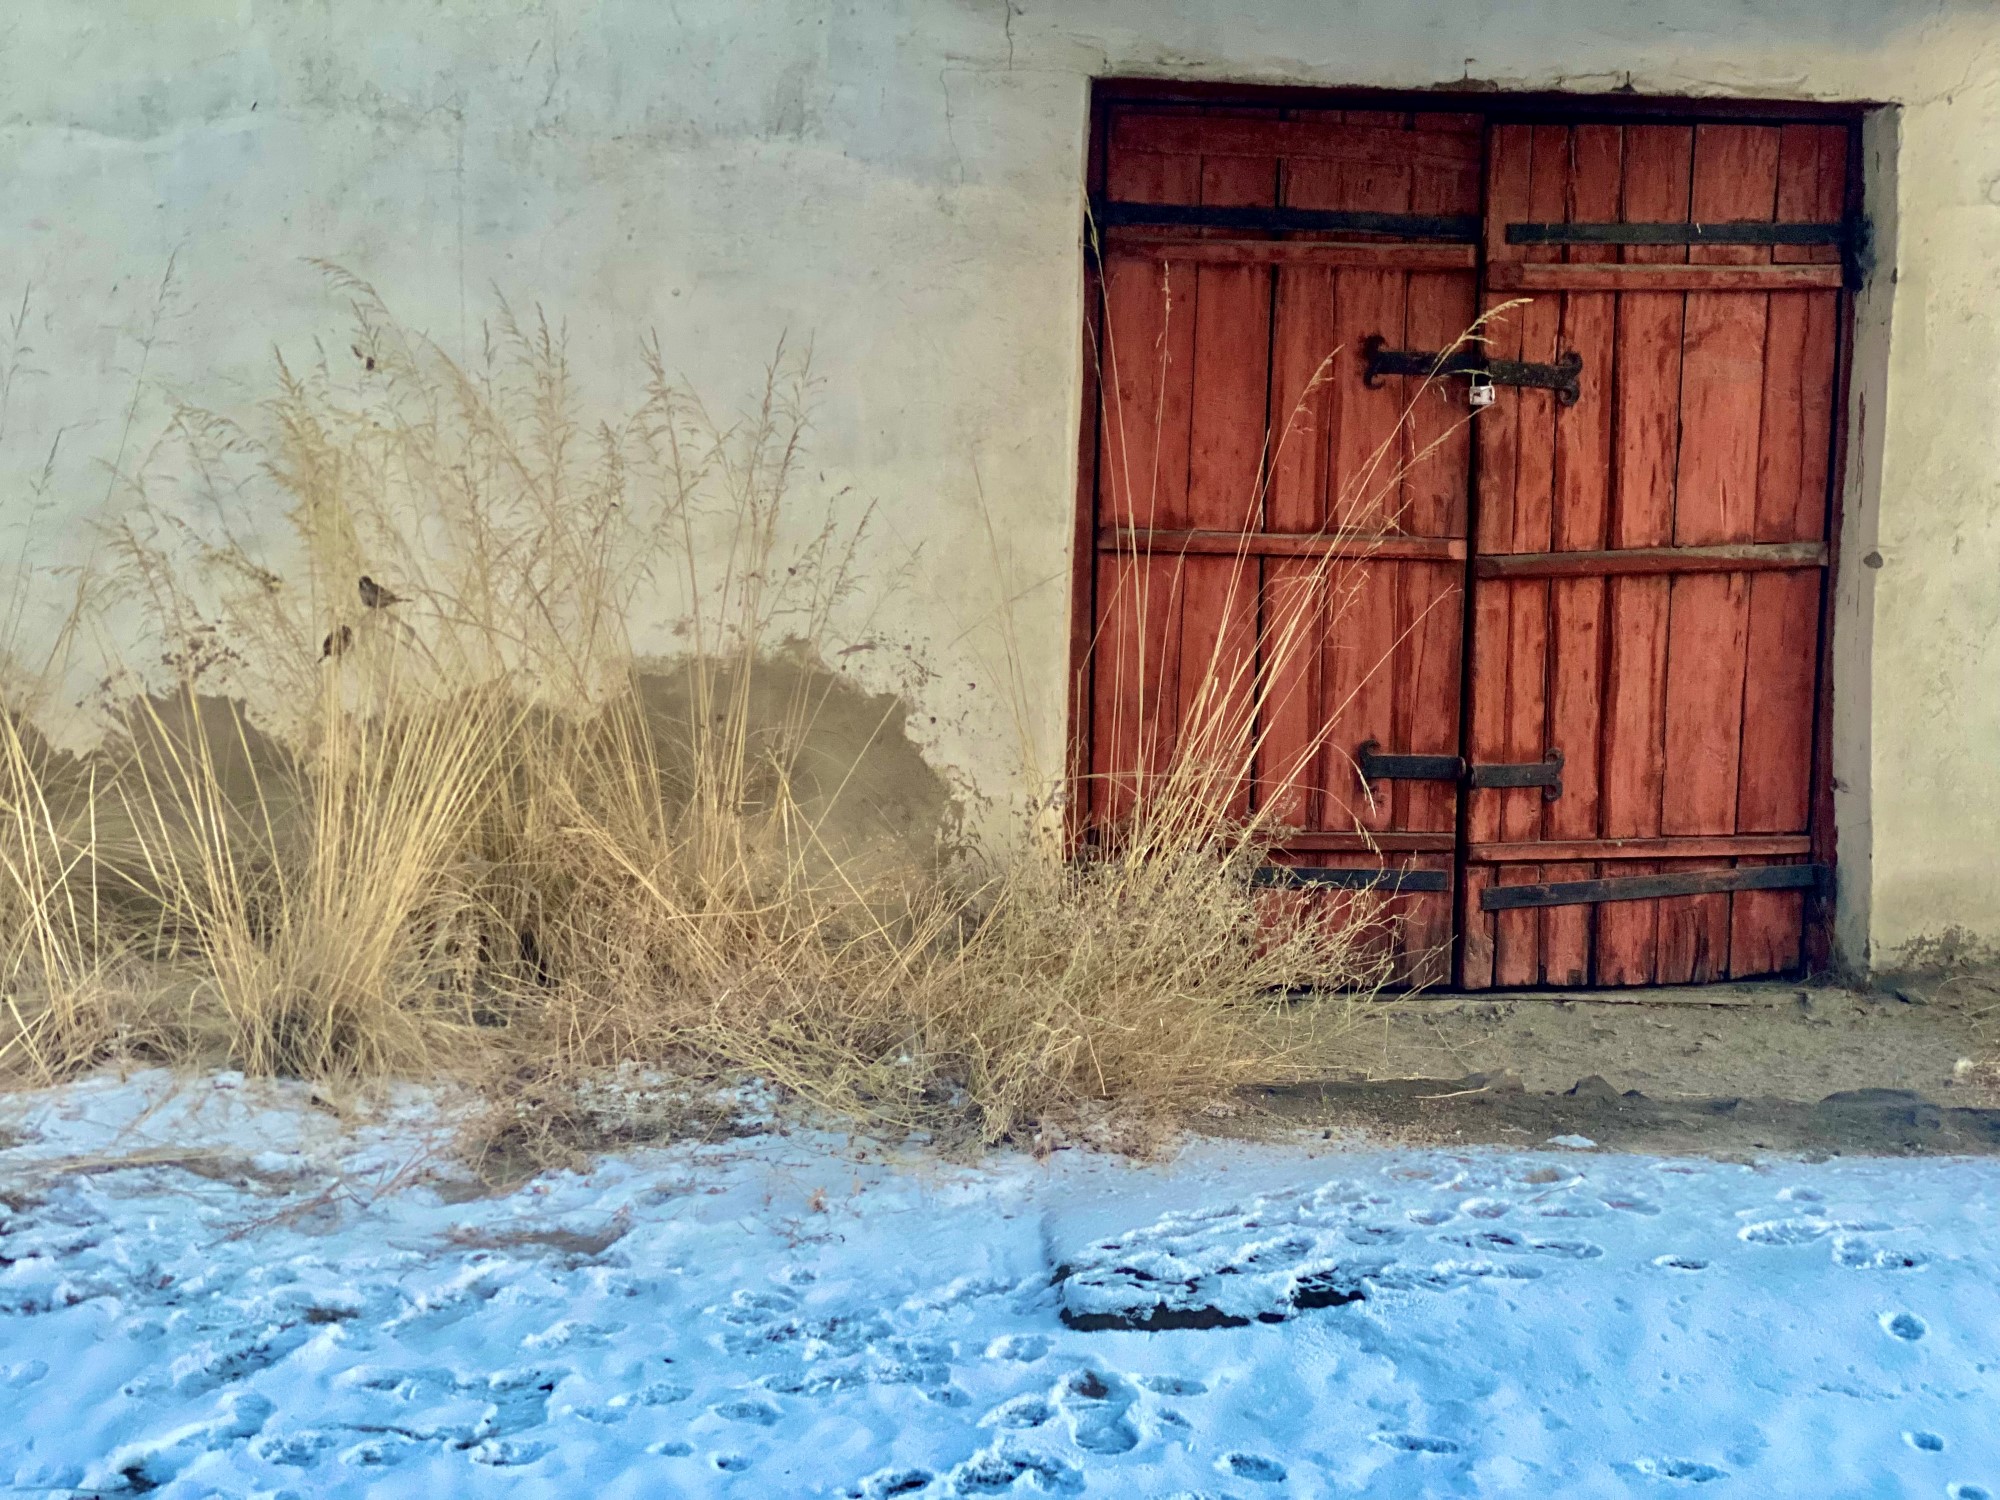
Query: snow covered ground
{"points": [[216, 1290]]}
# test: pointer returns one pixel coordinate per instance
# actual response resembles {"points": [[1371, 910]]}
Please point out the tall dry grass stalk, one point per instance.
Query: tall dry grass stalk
{"points": [[468, 828]]}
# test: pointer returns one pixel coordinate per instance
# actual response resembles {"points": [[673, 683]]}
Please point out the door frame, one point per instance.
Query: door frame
{"points": [[1820, 953]]}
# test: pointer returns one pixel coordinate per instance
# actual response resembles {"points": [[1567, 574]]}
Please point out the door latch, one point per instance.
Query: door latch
{"points": [[1564, 376]]}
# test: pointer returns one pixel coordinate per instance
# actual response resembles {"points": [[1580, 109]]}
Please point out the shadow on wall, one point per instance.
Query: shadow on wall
{"points": [[852, 770], [858, 788]]}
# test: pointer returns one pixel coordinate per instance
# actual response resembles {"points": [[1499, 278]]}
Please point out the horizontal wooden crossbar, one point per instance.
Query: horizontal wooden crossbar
{"points": [[1354, 880], [1219, 135], [1177, 247], [1545, 276], [1571, 851], [1734, 557], [1368, 545], [1653, 887]]}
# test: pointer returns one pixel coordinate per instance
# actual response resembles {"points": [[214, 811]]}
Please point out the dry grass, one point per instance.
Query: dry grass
{"points": [[468, 831]]}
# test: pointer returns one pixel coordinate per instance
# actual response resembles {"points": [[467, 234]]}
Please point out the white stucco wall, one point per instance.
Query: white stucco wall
{"points": [[900, 180]]}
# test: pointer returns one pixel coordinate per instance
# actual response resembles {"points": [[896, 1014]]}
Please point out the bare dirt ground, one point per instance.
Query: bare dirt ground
{"points": [[1725, 1070]]}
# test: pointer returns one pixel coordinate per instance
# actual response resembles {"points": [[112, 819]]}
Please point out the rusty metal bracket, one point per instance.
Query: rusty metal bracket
{"points": [[1564, 377], [1817, 878], [1376, 766], [1299, 876], [1546, 773]]}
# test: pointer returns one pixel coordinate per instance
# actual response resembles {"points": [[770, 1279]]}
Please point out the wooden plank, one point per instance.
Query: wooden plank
{"points": [[1707, 656], [1566, 930], [1736, 845], [1722, 379], [1694, 930], [1364, 470], [1573, 278], [1657, 160], [1430, 604], [1517, 930], [1701, 878], [1138, 131], [1728, 557], [1216, 672], [1359, 546], [1148, 360], [1178, 247], [1581, 524], [1291, 626], [1491, 953], [1232, 352], [1766, 929], [1475, 930], [1139, 613]]}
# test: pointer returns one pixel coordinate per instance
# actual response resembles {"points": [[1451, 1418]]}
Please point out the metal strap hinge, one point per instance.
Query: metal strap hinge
{"points": [[1546, 773]]}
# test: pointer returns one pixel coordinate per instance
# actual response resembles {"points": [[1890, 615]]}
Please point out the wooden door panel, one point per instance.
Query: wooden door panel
{"points": [[1283, 544], [1271, 517], [1682, 699]]}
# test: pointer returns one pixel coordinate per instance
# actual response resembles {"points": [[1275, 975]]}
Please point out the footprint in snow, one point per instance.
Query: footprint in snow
{"points": [[1859, 1255], [1924, 1442], [1416, 1442], [888, 1483], [1905, 1326], [1968, 1492], [1022, 1348], [1680, 1263], [729, 1463], [1172, 1385], [1096, 1410], [1252, 1466], [760, 1413], [1020, 1412], [1681, 1470], [296, 1450], [671, 1448], [508, 1453], [996, 1470]]}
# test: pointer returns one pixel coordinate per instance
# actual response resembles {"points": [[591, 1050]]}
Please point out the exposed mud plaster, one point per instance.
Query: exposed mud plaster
{"points": [[901, 182]]}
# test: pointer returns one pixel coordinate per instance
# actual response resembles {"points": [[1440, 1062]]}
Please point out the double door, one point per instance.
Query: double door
{"points": [[1470, 481]]}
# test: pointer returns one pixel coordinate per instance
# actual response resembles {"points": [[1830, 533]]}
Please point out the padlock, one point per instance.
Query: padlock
{"points": [[1481, 393]]}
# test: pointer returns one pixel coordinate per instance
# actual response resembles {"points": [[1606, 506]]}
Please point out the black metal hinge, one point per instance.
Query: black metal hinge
{"points": [[1375, 766], [1299, 876], [1651, 887], [1458, 228], [1546, 773], [1564, 377]]}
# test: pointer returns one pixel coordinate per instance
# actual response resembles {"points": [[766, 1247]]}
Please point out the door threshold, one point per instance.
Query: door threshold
{"points": [[1728, 993]]}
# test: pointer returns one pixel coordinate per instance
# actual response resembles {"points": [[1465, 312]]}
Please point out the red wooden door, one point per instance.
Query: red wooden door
{"points": [[1280, 542], [1648, 562], [1281, 535]]}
